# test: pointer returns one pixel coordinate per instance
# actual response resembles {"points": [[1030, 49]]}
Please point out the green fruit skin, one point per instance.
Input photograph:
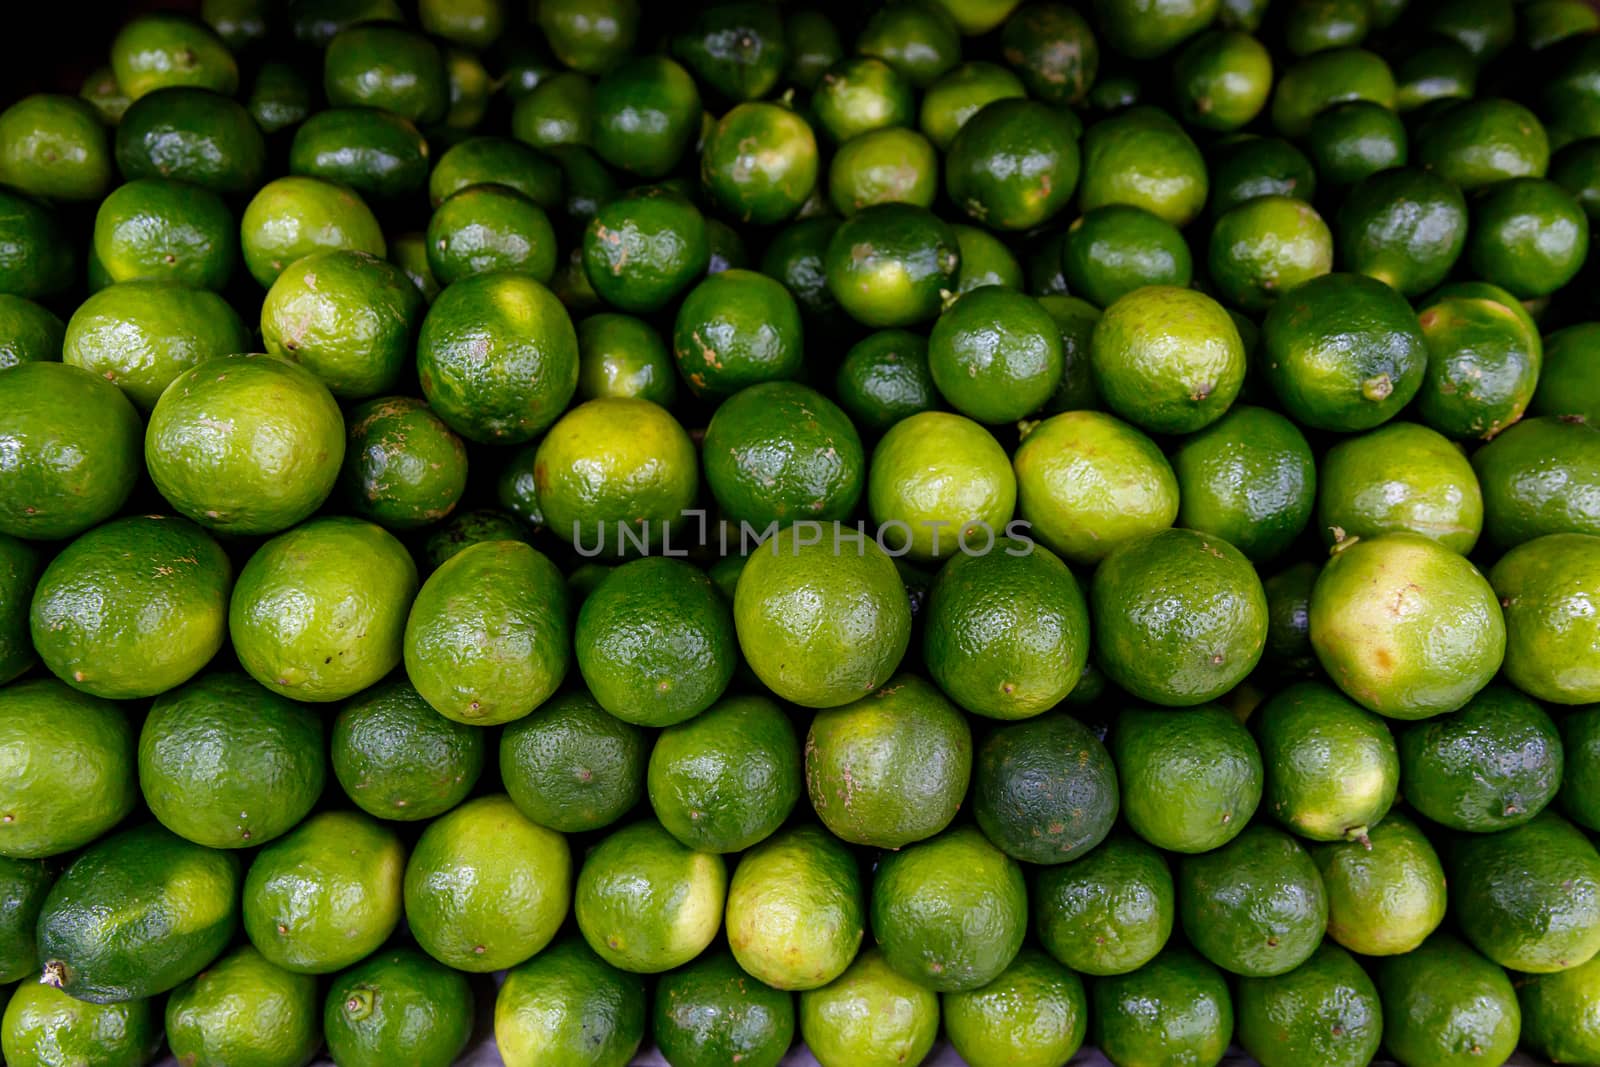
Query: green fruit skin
{"points": [[1192, 1020], [227, 764], [711, 1013], [646, 113], [1325, 79], [69, 768], [1288, 648], [1013, 165], [646, 903], [619, 355], [496, 161], [1190, 780], [1529, 236], [1492, 765], [509, 592], [1110, 912], [780, 451], [1405, 227], [250, 444], [346, 316], [1325, 1011], [485, 888], [985, 260], [859, 94], [870, 1016], [569, 1008], [1045, 791], [280, 97], [1580, 783], [1386, 893], [759, 163], [387, 67], [398, 759], [728, 778], [1332, 769], [376, 153], [961, 93], [1245, 167], [156, 51], [1143, 157], [318, 612], [404, 468], [44, 1027], [54, 146], [1544, 587], [296, 216], [796, 909], [883, 166], [735, 329], [1541, 476], [644, 248], [136, 914], [888, 264], [1481, 142], [738, 49], [951, 912], [1167, 359], [1256, 906], [1529, 897], [933, 470], [884, 378], [1267, 246], [1406, 627], [1034, 1014], [195, 136], [244, 1012], [23, 886], [1558, 1014], [488, 228], [1113, 250], [159, 230], [558, 112], [325, 895], [152, 625], [1170, 647], [62, 475], [572, 766], [996, 355], [1249, 478], [1567, 384], [890, 768], [1222, 80], [1140, 29], [36, 259], [1399, 478], [469, 528], [1445, 1005], [31, 333], [398, 1003]]}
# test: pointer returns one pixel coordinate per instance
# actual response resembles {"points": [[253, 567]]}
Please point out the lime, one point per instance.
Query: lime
{"points": [[885, 166], [1190, 781], [1445, 1004], [1013, 165], [1288, 592], [571, 766], [378, 154], [646, 114], [1325, 79], [1558, 1013], [397, 758], [1113, 250], [279, 97], [1175, 1006], [1529, 236], [293, 217], [1405, 227], [1566, 385], [398, 1004], [644, 248], [796, 909], [936, 481], [1325, 1011], [1539, 477], [1267, 246], [32, 334], [884, 378], [1169, 360], [1034, 1014], [870, 1016], [985, 260], [758, 163], [859, 94], [1331, 767], [735, 329], [36, 259], [1248, 478], [568, 1006], [966, 89], [1580, 737], [1543, 586], [888, 265], [196, 136], [1353, 141], [1477, 143], [619, 355], [1143, 158], [25, 884], [1245, 166], [469, 528], [158, 50], [387, 67], [1399, 478], [403, 467], [995, 354], [153, 229], [44, 1027], [490, 228], [1386, 893], [556, 113], [487, 160], [1436, 71], [795, 258], [1110, 912], [1145, 29], [645, 902], [244, 1010], [1256, 906], [1222, 79], [710, 1013], [780, 451], [738, 49]]}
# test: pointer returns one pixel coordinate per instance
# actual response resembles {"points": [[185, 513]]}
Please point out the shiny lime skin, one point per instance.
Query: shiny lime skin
{"points": [[961, 93], [36, 258], [1405, 227], [710, 1012], [403, 468], [294, 217], [398, 759], [1108, 912], [781, 451], [54, 146], [387, 67], [859, 94], [1580, 738], [589, 36], [936, 480], [1576, 168], [1567, 383], [474, 24], [26, 882], [646, 115], [1435, 71], [468, 528], [1256, 906], [1331, 767], [1192, 1016], [133, 607], [1477, 143], [1013, 165], [1249, 478], [141, 335], [1222, 79], [158, 51], [921, 42], [1169, 360], [247, 444], [1052, 50], [496, 161], [1558, 1014], [1245, 166], [870, 1016], [1544, 586], [1113, 250], [20, 565], [243, 1010], [101, 91], [195, 136], [1190, 782], [1145, 29], [995, 354], [796, 912], [619, 355], [795, 257], [1325, 79], [378, 154], [488, 228], [737, 49], [558, 112], [573, 766], [315, 22], [735, 329], [44, 1027], [1343, 352], [70, 454], [1444, 1004], [888, 265], [985, 260], [892, 165], [1528, 236], [1267, 246], [1088, 482], [515, 655], [280, 97], [1045, 791], [647, 903], [1033, 1015], [69, 761], [497, 357], [398, 1001], [29, 333], [1356, 140], [153, 229], [1406, 627], [814, 46], [346, 316], [136, 914], [1540, 477], [1144, 158], [884, 378], [409, 252], [644, 248], [1386, 890], [1325, 1011], [568, 1006], [1484, 355], [759, 163], [1399, 478]]}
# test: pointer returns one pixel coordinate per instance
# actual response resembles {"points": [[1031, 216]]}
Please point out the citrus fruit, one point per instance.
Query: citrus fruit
{"points": [[398, 1003], [645, 902], [398, 759], [796, 909], [1110, 912]]}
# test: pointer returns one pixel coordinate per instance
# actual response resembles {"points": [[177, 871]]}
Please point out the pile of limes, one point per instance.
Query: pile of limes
{"points": [[720, 525]]}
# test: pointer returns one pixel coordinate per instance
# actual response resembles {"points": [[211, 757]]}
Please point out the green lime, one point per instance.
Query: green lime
{"points": [[1326, 79], [572, 766], [738, 49], [588, 35], [1145, 29], [159, 50], [1529, 236], [325, 895], [937, 480], [486, 160], [72, 450], [1288, 592], [619, 355], [101, 91], [920, 41], [1405, 227], [398, 1005], [734, 329], [711, 1013], [1248, 478], [1406, 627], [1034, 1014], [1576, 168], [966, 89], [141, 335], [644, 248], [1190, 780], [1076, 320], [1386, 892], [888, 265], [469, 528], [813, 46], [568, 1006], [558, 112], [1176, 1007], [1109, 912], [1045, 791], [1331, 767], [487, 638], [192, 135], [1053, 51], [1116, 249], [1245, 166], [227, 764], [890, 768], [796, 909], [486, 228], [780, 451], [1256, 906], [758, 163], [1445, 1005], [294, 217], [1436, 70], [1538, 478], [36, 259], [646, 115], [44, 1027], [1089, 483], [1478, 143], [1580, 736], [885, 166], [1353, 141], [1265, 247], [1169, 360], [995, 354], [397, 758], [409, 252], [154, 229], [403, 467], [1558, 1013], [387, 67], [1222, 79], [1144, 158], [1325, 1011], [1566, 384], [1399, 478], [862, 93], [870, 1016], [280, 97], [1013, 165], [645, 902], [1544, 587], [884, 378], [1317, 25], [985, 261], [244, 1010], [378, 154], [159, 590], [795, 258], [29, 333], [318, 612], [24, 884]]}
